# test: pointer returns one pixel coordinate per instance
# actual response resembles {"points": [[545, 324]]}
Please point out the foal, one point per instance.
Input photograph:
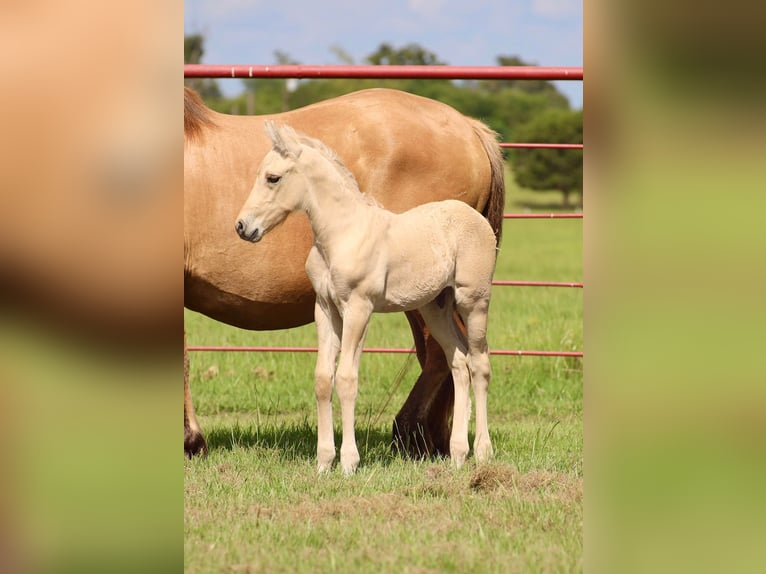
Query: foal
{"points": [[435, 258]]}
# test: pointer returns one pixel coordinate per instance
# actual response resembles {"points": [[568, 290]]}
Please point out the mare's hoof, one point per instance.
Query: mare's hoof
{"points": [[194, 444], [416, 440]]}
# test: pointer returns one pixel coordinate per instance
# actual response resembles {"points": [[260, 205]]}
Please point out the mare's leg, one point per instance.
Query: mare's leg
{"points": [[194, 441], [446, 331], [356, 319], [328, 342], [475, 310], [422, 426]]}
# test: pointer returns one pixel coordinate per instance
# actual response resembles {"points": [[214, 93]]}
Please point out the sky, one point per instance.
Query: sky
{"points": [[459, 32]]}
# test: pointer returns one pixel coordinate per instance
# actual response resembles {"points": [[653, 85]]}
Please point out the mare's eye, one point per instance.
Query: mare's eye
{"points": [[272, 179]]}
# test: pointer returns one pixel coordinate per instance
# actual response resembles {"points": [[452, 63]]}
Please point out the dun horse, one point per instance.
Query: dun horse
{"points": [[435, 258], [404, 150]]}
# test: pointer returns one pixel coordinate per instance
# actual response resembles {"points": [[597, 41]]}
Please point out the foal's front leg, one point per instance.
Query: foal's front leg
{"points": [[328, 343], [356, 319]]}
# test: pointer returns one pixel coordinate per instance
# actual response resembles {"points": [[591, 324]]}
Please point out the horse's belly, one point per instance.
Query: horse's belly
{"points": [[394, 304], [409, 291], [239, 311], [249, 297], [252, 286]]}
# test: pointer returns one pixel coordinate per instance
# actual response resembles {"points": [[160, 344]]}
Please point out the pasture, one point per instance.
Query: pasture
{"points": [[256, 503]]}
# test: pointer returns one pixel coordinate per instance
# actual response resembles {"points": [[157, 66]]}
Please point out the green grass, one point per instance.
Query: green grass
{"points": [[256, 504]]}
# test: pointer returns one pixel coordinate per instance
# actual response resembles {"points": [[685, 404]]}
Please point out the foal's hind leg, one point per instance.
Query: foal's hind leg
{"points": [[474, 311], [444, 329]]}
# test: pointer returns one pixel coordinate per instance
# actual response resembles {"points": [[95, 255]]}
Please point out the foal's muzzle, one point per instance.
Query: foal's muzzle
{"points": [[254, 236]]}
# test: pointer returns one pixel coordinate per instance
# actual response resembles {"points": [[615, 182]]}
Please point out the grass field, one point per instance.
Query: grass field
{"points": [[256, 504]]}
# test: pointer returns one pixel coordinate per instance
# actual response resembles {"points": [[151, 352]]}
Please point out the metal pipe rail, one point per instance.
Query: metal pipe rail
{"points": [[384, 72], [541, 145], [395, 350], [542, 216]]}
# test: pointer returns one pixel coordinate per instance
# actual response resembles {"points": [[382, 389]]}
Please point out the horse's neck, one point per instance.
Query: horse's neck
{"points": [[335, 205]]}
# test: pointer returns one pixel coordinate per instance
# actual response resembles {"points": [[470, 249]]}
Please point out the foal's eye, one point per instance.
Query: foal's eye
{"points": [[272, 179]]}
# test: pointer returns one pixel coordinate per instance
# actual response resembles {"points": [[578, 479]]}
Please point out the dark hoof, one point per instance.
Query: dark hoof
{"points": [[417, 441], [194, 444]]}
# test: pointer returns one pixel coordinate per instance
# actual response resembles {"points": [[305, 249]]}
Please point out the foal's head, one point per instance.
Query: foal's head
{"points": [[279, 185]]}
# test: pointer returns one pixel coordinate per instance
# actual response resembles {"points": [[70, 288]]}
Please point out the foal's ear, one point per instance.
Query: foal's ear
{"points": [[282, 139]]}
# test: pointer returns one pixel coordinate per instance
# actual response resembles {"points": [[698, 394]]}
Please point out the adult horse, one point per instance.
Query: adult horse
{"points": [[403, 149]]}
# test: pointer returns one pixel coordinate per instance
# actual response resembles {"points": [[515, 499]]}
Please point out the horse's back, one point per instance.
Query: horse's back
{"points": [[451, 219], [403, 149]]}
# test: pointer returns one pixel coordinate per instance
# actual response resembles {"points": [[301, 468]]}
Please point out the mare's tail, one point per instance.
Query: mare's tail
{"points": [[493, 209], [197, 115]]}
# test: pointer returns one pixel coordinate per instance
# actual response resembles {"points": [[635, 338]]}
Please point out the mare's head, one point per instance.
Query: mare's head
{"points": [[279, 185]]}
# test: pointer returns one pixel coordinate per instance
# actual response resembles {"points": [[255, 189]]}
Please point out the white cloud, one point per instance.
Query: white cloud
{"points": [[426, 7], [556, 8]]}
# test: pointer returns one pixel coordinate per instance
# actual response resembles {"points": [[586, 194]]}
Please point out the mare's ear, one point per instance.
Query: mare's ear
{"points": [[283, 139]]}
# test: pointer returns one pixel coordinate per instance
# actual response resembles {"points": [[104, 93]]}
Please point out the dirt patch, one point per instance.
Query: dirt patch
{"points": [[261, 373], [533, 484], [446, 489], [489, 478], [500, 480], [210, 373]]}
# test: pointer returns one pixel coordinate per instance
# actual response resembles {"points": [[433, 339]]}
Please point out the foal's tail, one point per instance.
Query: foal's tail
{"points": [[493, 209]]}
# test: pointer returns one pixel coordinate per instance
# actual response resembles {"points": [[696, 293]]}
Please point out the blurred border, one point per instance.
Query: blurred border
{"points": [[674, 313], [91, 300]]}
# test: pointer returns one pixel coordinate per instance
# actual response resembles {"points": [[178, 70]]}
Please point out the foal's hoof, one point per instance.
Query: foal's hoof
{"points": [[349, 461], [350, 469], [458, 462], [458, 454], [483, 453], [194, 443], [325, 458]]}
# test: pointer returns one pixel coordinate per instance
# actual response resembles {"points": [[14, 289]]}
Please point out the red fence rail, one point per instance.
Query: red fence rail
{"points": [[384, 72], [409, 72], [542, 216], [387, 350], [541, 145]]}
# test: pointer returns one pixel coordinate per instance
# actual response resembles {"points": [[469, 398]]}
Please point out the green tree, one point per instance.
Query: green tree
{"points": [[194, 49], [410, 54], [341, 54], [546, 169]]}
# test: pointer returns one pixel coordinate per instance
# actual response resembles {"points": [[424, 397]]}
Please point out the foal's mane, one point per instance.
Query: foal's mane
{"points": [[334, 158]]}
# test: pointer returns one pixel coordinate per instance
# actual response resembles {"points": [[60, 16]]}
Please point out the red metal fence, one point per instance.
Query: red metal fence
{"points": [[384, 72], [411, 72]]}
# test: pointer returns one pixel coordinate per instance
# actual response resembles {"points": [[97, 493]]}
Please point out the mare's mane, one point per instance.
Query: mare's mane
{"points": [[197, 115]]}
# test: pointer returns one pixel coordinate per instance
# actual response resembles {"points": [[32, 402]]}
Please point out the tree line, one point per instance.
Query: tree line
{"points": [[519, 110]]}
